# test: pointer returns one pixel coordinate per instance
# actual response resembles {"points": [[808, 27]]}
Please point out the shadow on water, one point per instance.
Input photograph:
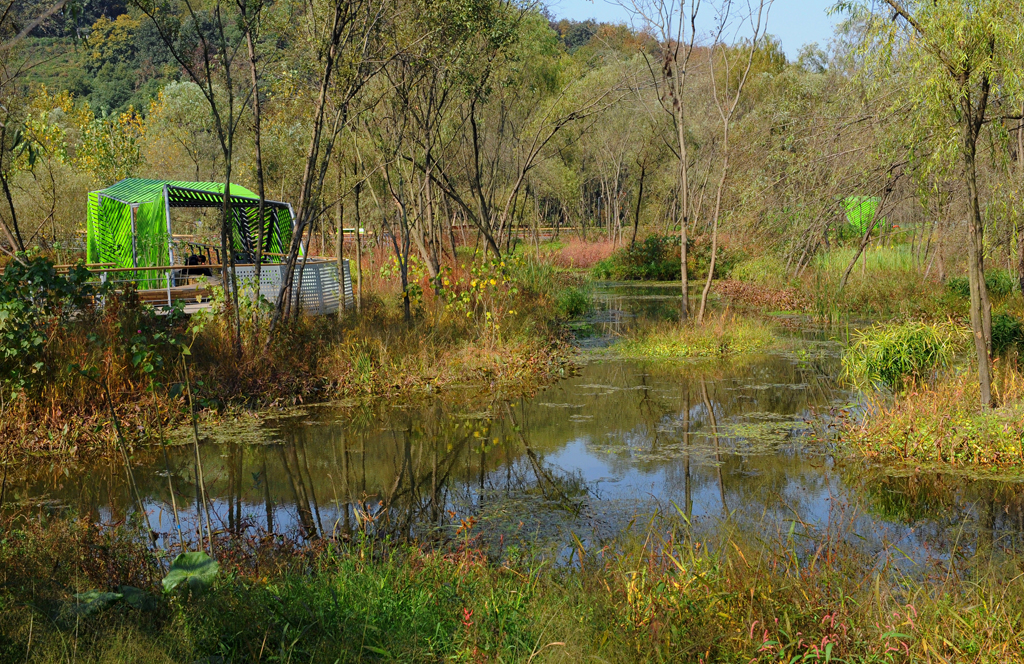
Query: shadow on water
{"points": [[718, 441]]}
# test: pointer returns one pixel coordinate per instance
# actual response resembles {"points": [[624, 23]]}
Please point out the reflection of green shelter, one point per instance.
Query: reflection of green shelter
{"points": [[861, 211], [129, 223]]}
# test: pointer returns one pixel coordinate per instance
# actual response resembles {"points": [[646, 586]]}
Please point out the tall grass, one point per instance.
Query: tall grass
{"points": [[897, 258], [942, 423], [766, 270], [885, 282], [663, 591], [721, 336]]}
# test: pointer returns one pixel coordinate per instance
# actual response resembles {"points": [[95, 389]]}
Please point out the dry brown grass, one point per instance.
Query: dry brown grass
{"points": [[577, 254], [942, 422]]}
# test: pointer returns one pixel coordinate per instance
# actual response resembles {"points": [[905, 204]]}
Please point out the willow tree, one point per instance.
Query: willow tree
{"points": [[955, 58]]}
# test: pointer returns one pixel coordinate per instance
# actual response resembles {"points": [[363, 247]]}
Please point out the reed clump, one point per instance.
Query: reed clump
{"points": [[891, 285], [895, 355], [886, 282]]}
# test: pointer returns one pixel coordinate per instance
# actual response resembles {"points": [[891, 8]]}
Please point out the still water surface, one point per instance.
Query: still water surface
{"points": [[722, 442]]}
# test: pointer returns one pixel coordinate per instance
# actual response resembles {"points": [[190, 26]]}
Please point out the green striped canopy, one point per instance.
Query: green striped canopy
{"points": [[111, 238], [861, 211]]}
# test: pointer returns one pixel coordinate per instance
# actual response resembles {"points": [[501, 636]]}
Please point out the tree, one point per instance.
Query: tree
{"points": [[673, 23], [205, 42], [344, 40], [957, 55], [727, 98], [182, 114]]}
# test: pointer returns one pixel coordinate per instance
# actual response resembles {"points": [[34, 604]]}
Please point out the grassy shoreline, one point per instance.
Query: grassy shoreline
{"points": [[660, 594], [939, 423], [499, 326]]}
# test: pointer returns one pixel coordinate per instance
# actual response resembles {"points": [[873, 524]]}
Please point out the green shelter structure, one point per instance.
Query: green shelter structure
{"points": [[131, 239], [861, 211], [130, 224]]}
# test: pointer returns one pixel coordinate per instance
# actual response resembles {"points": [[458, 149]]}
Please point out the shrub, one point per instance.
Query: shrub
{"points": [[1007, 333], [654, 259], [35, 303], [959, 286], [999, 283], [573, 302], [893, 355], [604, 269]]}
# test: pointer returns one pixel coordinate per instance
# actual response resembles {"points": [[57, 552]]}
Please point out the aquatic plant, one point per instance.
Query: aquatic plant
{"points": [[724, 335], [574, 302]]}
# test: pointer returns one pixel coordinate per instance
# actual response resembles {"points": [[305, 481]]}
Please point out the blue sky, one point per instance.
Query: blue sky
{"points": [[795, 22]]}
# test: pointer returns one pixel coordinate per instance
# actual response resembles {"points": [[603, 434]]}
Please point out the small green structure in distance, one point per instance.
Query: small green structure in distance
{"points": [[861, 211], [129, 224]]}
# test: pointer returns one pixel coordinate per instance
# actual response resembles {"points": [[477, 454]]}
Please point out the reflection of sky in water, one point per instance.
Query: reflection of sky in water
{"points": [[588, 454]]}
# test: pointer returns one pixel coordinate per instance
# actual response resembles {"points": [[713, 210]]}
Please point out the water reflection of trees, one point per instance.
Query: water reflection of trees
{"points": [[422, 470], [946, 510], [380, 470]]}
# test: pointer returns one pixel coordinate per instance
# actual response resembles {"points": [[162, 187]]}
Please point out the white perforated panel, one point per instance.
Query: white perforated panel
{"points": [[317, 294]]}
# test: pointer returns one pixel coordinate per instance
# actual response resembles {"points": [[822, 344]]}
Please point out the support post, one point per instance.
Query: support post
{"points": [[170, 244]]}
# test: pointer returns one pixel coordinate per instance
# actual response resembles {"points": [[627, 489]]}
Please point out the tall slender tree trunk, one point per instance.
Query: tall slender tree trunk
{"points": [[684, 220], [11, 230], [714, 230], [981, 314], [340, 248], [359, 255], [228, 256], [257, 131], [1020, 189], [639, 200]]}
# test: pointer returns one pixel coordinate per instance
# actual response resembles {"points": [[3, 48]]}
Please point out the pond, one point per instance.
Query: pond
{"points": [[736, 442]]}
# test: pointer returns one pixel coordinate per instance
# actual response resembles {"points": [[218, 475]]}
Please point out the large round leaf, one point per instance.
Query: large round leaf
{"points": [[196, 569]]}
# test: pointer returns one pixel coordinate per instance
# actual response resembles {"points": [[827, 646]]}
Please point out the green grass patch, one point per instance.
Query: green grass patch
{"points": [[719, 337], [900, 354]]}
